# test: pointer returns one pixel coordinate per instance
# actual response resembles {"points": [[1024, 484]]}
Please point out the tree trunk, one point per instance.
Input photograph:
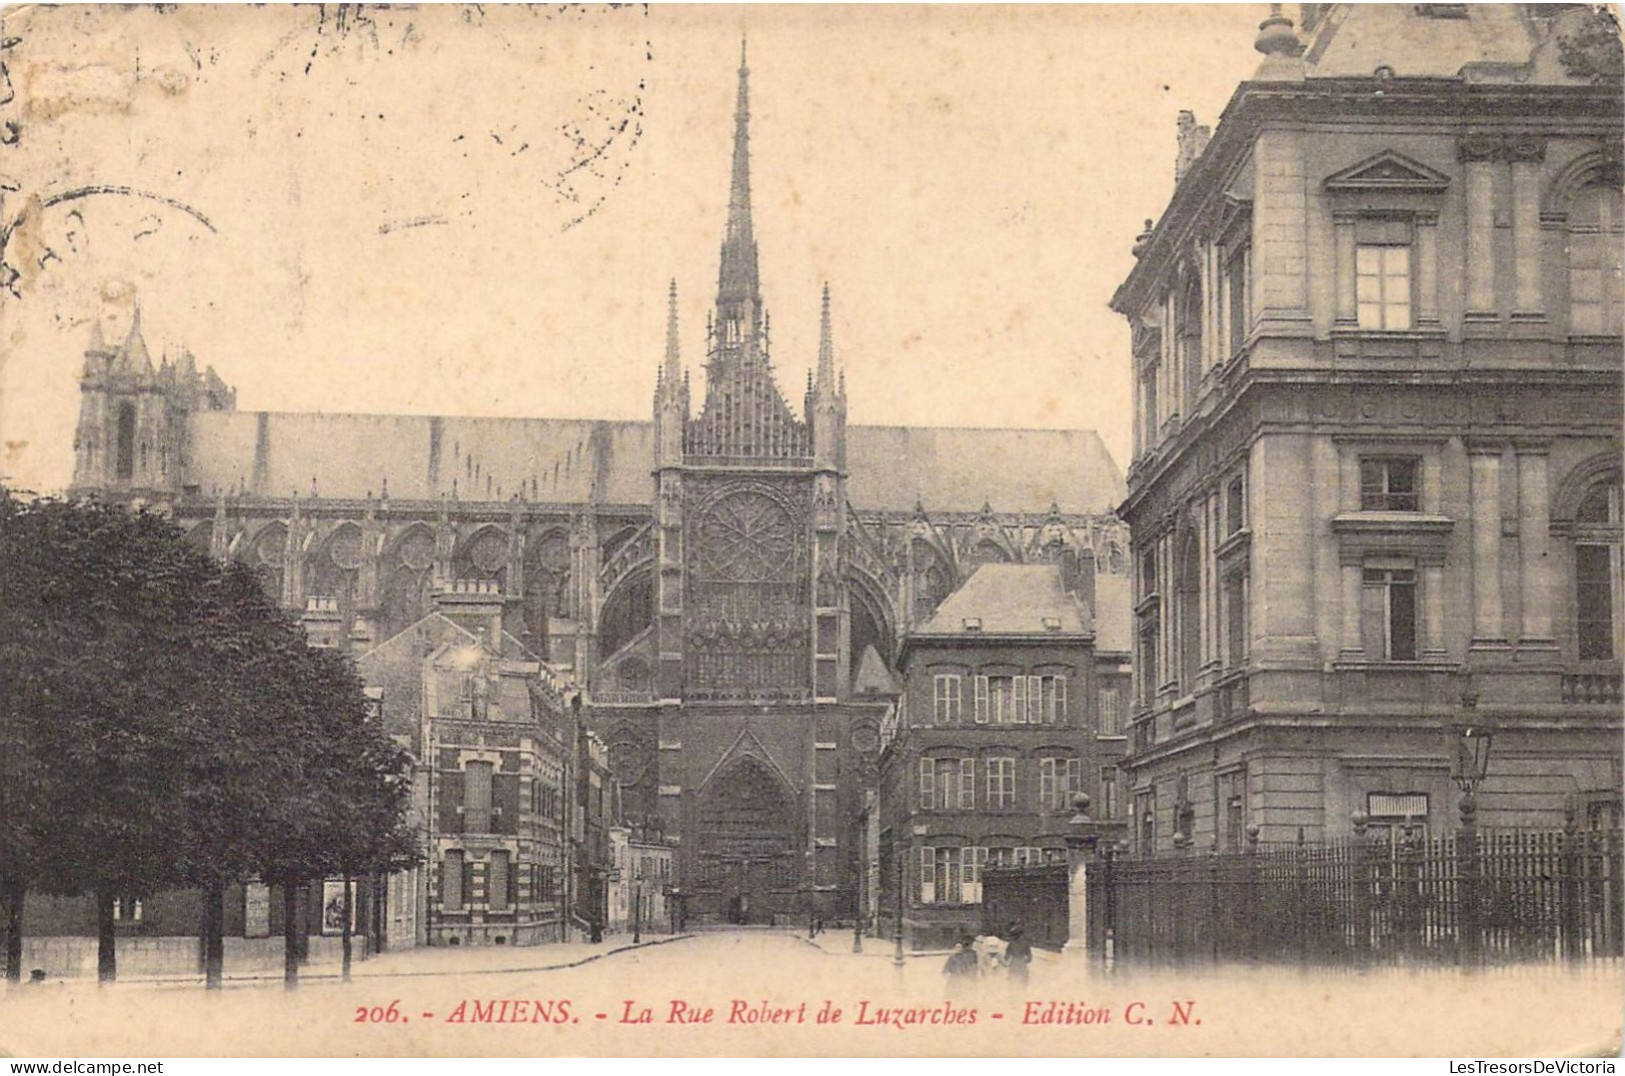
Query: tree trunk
{"points": [[106, 939], [380, 897], [11, 893], [345, 930], [302, 914], [290, 936], [214, 942]]}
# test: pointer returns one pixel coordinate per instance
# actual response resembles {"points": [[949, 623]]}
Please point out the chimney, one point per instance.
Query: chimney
{"points": [[1192, 141], [474, 605]]}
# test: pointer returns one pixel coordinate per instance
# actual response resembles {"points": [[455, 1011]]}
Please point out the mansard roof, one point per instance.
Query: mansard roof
{"points": [[1009, 599], [578, 461]]}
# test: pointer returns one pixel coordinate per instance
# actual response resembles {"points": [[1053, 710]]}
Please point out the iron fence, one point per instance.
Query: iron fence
{"points": [[1471, 897]]}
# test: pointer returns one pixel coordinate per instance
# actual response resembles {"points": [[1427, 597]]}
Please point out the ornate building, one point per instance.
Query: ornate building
{"points": [[716, 617], [1376, 482]]}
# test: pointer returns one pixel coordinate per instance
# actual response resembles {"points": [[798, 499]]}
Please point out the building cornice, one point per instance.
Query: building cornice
{"points": [[991, 640], [1452, 104]]}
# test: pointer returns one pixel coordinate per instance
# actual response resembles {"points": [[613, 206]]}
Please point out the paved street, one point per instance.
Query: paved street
{"points": [[762, 992]]}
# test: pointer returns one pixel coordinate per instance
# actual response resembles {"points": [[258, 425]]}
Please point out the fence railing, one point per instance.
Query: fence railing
{"points": [[1495, 897]]}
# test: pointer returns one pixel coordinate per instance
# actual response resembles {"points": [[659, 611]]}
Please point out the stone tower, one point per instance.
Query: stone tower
{"points": [[751, 611], [131, 442]]}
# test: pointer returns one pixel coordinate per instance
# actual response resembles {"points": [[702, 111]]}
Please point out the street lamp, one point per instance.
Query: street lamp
{"points": [[637, 913], [902, 860], [1472, 764]]}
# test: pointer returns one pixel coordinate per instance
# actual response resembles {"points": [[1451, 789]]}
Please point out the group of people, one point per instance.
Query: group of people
{"points": [[989, 954]]}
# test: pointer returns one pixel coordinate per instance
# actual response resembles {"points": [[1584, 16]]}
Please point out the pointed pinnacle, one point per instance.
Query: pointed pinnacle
{"points": [[673, 355], [826, 346]]}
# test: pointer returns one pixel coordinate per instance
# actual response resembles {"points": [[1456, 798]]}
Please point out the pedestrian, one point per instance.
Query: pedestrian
{"points": [[1018, 955], [990, 948], [963, 964]]}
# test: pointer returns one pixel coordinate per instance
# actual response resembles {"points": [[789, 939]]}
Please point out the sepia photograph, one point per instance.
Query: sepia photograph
{"points": [[935, 531]]}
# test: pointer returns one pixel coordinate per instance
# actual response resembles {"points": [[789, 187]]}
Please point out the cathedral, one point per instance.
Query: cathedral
{"points": [[726, 588]]}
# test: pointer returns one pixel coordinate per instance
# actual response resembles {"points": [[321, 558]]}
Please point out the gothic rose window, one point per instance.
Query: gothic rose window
{"points": [[748, 536]]}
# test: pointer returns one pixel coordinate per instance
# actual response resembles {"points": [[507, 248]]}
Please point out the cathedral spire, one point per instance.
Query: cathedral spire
{"points": [[737, 279], [674, 364], [826, 347], [743, 416]]}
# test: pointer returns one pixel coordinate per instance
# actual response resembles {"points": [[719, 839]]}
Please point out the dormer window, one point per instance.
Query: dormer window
{"points": [[973, 623]]}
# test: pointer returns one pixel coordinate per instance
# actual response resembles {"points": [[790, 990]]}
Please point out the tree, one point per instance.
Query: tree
{"points": [[365, 786], [99, 613], [344, 811], [165, 725], [240, 756]]}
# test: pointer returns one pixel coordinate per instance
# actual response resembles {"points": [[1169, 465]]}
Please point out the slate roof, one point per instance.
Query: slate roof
{"points": [[872, 677], [574, 461], [1009, 599]]}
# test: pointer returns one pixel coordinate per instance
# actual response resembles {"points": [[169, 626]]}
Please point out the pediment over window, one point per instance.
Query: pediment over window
{"points": [[1388, 171]]}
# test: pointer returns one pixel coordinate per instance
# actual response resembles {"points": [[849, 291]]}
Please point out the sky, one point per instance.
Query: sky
{"points": [[476, 211]]}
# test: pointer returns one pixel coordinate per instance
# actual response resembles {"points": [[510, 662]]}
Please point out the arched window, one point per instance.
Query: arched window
{"points": [[1190, 611], [1597, 575], [125, 450], [1190, 338], [931, 580], [1596, 232]]}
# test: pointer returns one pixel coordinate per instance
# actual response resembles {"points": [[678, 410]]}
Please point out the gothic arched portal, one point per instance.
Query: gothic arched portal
{"points": [[747, 844]]}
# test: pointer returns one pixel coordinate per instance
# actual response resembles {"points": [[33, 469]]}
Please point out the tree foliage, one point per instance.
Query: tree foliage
{"points": [[164, 724]]}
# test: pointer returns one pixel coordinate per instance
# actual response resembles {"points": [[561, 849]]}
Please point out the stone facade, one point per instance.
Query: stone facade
{"points": [[1375, 491]]}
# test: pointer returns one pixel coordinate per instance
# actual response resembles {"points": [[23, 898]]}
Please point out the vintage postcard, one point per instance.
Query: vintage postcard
{"points": [[817, 530]]}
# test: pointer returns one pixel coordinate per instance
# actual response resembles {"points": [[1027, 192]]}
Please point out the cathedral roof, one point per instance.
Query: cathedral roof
{"points": [[960, 470], [577, 461], [1010, 599]]}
